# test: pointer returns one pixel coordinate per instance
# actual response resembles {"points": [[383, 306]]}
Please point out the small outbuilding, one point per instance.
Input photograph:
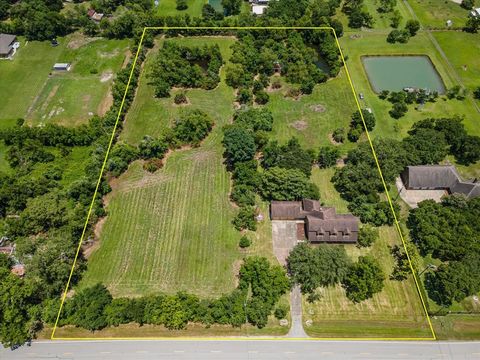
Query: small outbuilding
{"points": [[62, 66], [8, 46], [97, 17]]}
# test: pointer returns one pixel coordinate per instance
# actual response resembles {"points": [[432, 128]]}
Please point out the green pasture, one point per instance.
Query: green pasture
{"points": [[169, 8], [32, 90], [434, 14]]}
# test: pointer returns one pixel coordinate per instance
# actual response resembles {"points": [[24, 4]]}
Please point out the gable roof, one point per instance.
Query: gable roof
{"points": [[6, 41], [439, 177]]}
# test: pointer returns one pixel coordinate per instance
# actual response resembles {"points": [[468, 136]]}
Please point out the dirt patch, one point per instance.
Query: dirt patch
{"points": [[105, 104], [79, 40], [318, 108], [107, 75], [237, 264], [299, 125], [108, 55], [128, 56]]}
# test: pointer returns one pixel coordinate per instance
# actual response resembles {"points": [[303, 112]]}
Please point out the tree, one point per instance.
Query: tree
{"points": [[395, 19], [243, 195], [339, 135], [245, 219], [86, 309], [367, 235], [232, 7], [472, 25], [412, 26], [239, 144], [254, 119], [469, 150], [325, 265], [364, 279], [328, 156], [467, 4], [192, 127], [425, 146], [288, 156], [150, 148], [287, 184], [398, 110]]}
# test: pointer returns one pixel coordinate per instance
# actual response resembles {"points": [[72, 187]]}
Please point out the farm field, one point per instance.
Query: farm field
{"points": [[32, 91], [179, 234], [434, 14]]}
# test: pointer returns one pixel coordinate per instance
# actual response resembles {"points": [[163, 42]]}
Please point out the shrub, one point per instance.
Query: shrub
{"points": [[293, 93], [367, 236], [244, 96], [152, 165], [245, 219], [244, 242], [328, 156], [339, 135], [261, 97], [192, 127], [276, 85], [281, 313], [180, 98], [243, 195], [182, 5]]}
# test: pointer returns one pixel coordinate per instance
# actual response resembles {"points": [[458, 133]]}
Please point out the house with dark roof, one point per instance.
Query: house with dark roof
{"points": [[322, 224], [439, 177], [8, 45]]}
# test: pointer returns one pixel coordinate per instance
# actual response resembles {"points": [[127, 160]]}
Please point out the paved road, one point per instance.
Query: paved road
{"points": [[252, 350]]}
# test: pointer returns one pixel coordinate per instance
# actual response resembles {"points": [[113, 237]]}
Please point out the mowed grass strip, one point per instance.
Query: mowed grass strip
{"points": [[170, 233], [169, 8]]}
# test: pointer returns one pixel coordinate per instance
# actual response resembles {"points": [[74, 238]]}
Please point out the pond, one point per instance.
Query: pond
{"points": [[217, 5], [395, 73]]}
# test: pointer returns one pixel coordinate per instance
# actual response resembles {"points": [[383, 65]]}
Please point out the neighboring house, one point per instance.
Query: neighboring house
{"points": [[321, 224], [439, 177], [62, 67], [475, 12], [8, 46], [92, 14]]}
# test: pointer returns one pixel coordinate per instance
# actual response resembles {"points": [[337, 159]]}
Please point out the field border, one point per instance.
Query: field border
{"points": [[100, 176]]}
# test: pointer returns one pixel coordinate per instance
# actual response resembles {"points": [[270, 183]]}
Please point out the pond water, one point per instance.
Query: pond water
{"points": [[395, 73], [217, 5]]}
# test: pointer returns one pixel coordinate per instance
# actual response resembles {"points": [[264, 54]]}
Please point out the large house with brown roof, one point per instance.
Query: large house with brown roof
{"points": [[322, 224], [439, 177]]}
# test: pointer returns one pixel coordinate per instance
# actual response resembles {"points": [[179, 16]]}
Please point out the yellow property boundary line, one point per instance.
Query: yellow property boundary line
{"points": [[52, 337]]}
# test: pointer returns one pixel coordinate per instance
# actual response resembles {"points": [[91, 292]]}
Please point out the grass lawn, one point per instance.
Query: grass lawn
{"points": [[457, 327], [395, 312], [313, 118], [169, 8], [31, 90], [434, 14], [467, 61]]}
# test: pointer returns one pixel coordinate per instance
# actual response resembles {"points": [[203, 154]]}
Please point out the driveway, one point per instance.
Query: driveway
{"points": [[284, 235]]}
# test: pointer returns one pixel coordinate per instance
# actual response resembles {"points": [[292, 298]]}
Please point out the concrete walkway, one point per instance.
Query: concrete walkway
{"points": [[296, 330]]}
